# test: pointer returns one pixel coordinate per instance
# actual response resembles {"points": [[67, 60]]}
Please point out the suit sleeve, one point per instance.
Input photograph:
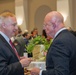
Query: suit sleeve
{"points": [[9, 64]]}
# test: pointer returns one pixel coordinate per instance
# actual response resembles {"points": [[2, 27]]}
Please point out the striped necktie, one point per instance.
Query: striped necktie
{"points": [[15, 51]]}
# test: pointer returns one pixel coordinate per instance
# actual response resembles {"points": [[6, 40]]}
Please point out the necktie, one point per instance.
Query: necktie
{"points": [[12, 45]]}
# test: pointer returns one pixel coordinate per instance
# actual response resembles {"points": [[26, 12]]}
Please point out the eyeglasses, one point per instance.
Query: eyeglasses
{"points": [[14, 24], [47, 24]]}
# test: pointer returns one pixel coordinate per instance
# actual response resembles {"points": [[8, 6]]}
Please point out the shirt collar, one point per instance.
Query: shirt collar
{"points": [[59, 32], [6, 37]]}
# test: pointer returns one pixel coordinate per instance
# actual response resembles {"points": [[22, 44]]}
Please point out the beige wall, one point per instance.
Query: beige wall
{"points": [[66, 14], [7, 5], [73, 13], [37, 9], [33, 11], [36, 14]]}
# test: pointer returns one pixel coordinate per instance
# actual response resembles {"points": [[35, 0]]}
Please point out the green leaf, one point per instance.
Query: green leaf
{"points": [[37, 41]]}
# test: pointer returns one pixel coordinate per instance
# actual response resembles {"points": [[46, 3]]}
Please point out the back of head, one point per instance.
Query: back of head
{"points": [[19, 30], [35, 30]]}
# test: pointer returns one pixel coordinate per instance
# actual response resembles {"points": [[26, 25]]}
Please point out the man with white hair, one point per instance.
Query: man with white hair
{"points": [[10, 62], [61, 56]]}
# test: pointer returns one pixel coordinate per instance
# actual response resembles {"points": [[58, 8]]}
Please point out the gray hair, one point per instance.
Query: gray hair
{"points": [[5, 15]]}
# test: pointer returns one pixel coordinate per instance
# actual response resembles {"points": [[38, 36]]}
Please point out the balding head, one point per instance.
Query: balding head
{"points": [[55, 20], [54, 16]]}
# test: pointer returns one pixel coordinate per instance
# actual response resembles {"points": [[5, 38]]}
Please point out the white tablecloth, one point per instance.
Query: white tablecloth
{"points": [[40, 65]]}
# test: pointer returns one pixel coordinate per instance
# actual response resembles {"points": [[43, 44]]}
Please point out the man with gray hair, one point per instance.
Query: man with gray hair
{"points": [[10, 62]]}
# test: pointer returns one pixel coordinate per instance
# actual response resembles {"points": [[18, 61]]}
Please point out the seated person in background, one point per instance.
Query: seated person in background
{"points": [[72, 31], [19, 42], [26, 37], [25, 31], [44, 33], [34, 33]]}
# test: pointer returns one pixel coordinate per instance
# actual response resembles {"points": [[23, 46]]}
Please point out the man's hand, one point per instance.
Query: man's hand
{"points": [[25, 62], [35, 71], [22, 57]]}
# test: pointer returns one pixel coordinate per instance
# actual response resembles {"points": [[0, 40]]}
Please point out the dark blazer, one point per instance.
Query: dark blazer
{"points": [[9, 63], [61, 56]]}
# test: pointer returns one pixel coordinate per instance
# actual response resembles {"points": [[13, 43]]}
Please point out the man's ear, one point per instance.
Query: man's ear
{"points": [[3, 25], [54, 25], [54, 22]]}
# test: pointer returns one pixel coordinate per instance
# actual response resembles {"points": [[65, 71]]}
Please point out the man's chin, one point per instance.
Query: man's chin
{"points": [[13, 35]]}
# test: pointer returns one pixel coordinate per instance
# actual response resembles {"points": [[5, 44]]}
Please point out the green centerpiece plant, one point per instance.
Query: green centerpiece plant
{"points": [[38, 41]]}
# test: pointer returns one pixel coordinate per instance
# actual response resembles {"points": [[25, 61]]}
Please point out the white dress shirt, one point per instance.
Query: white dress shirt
{"points": [[6, 38]]}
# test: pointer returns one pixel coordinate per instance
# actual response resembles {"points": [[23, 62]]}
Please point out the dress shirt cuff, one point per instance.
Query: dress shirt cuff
{"points": [[40, 72]]}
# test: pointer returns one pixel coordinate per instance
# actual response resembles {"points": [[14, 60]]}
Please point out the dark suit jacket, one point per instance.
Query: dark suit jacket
{"points": [[9, 63], [61, 56]]}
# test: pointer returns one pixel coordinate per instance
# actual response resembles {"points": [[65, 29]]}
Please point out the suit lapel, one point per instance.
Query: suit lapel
{"points": [[57, 36], [60, 33], [6, 43]]}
